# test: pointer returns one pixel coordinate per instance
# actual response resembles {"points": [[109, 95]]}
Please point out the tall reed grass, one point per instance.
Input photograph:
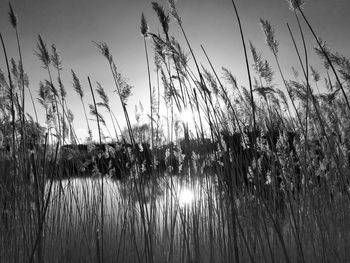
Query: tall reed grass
{"points": [[260, 177]]}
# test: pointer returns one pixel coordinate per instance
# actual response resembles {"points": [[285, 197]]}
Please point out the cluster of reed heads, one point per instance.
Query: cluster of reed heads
{"points": [[309, 223]]}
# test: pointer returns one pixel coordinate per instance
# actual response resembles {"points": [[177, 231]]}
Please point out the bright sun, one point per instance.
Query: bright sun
{"points": [[186, 196], [186, 116]]}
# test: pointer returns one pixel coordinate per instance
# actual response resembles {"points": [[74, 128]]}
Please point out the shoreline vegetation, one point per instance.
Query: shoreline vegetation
{"points": [[262, 175]]}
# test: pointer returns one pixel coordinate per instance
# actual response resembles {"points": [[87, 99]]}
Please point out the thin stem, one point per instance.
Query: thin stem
{"points": [[150, 94], [102, 185], [326, 56], [86, 118], [12, 102], [248, 68]]}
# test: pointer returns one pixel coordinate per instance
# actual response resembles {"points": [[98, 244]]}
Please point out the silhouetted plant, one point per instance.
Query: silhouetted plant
{"points": [[44, 56], [79, 90], [144, 32]]}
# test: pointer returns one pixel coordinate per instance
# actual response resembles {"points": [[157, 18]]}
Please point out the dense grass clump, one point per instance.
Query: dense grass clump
{"points": [[261, 175]]}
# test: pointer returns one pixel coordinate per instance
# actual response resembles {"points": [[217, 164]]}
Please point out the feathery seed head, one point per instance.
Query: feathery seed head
{"points": [[211, 81], [51, 87], [296, 5], [159, 47], [228, 76], [295, 73], [42, 53], [267, 72], [322, 50], [144, 26], [70, 115], [256, 56], [174, 12], [56, 58], [258, 64], [104, 49], [167, 87], [95, 113], [26, 79], [76, 85], [2, 79], [246, 94], [282, 96], [315, 75], [264, 91], [14, 68], [182, 58], [157, 61], [12, 16], [62, 88], [270, 35], [163, 18], [44, 94], [102, 93], [298, 91], [20, 68], [42, 90], [125, 88]]}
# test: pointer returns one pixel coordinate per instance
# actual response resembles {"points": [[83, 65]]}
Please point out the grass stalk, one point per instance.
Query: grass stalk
{"points": [[13, 150], [102, 184], [326, 55], [247, 66]]}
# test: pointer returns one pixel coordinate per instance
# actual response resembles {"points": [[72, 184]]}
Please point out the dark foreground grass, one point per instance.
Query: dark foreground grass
{"points": [[260, 177]]}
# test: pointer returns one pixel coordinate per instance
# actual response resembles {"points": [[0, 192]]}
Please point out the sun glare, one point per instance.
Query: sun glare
{"points": [[186, 196], [186, 116]]}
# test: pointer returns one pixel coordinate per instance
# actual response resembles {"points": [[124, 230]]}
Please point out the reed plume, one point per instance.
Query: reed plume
{"points": [[122, 87], [12, 17], [42, 53], [296, 5], [269, 32], [12, 98], [144, 32], [44, 56], [56, 58], [162, 16], [79, 90], [45, 99], [273, 44], [315, 74], [174, 12], [14, 21], [105, 103]]}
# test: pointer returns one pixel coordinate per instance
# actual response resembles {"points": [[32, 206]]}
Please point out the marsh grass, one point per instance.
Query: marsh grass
{"points": [[284, 201]]}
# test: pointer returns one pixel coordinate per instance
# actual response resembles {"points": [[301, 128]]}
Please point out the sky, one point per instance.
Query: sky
{"points": [[72, 25]]}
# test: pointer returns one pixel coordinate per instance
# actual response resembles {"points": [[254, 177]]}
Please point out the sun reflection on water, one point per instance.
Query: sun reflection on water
{"points": [[186, 196]]}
